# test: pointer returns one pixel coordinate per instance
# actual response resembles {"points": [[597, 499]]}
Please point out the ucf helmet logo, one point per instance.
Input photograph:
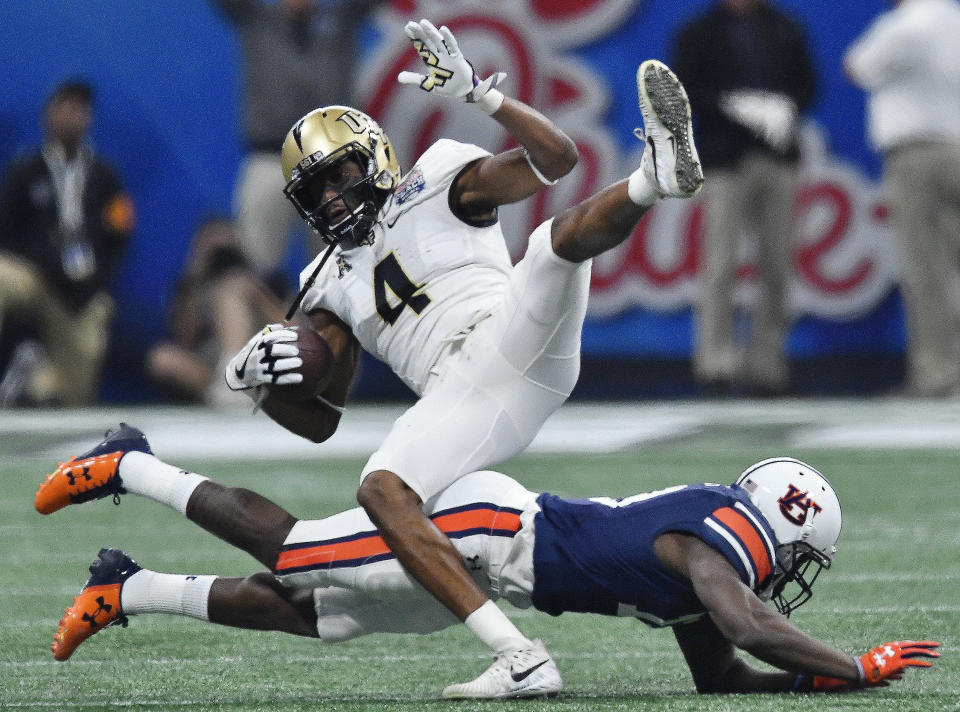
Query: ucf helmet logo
{"points": [[795, 505]]}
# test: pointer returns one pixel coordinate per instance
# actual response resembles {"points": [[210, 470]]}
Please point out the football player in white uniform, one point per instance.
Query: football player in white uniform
{"points": [[703, 559], [421, 279]]}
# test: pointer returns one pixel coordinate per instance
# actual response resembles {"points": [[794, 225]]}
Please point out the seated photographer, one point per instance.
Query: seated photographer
{"points": [[217, 302]]}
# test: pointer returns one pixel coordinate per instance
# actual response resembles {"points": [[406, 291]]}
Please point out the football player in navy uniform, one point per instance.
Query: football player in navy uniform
{"points": [[704, 559], [422, 280]]}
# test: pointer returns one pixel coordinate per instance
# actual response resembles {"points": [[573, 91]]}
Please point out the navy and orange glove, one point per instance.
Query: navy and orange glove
{"points": [[883, 663]]}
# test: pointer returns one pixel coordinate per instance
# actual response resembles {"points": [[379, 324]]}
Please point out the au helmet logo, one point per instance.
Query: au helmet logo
{"points": [[796, 504]]}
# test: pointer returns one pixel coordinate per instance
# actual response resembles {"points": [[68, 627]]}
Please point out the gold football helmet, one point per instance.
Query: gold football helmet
{"points": [[322, 139]]}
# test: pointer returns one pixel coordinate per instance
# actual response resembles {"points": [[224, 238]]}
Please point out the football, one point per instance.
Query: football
{"points": [[317, 362]]}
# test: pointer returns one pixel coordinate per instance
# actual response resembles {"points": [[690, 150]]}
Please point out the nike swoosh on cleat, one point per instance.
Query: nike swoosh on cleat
{"points": [[653, 149], [523, 675]]}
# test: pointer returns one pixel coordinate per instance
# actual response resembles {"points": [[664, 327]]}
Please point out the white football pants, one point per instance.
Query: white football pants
{"points": [[361, 588], [494, 390]]}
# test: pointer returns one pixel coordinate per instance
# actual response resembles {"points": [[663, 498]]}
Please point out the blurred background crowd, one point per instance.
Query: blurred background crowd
{"points": [[144, 235]]}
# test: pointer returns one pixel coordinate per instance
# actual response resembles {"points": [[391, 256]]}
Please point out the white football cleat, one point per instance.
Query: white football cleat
{"points": [[670, 160], [528, 672]]}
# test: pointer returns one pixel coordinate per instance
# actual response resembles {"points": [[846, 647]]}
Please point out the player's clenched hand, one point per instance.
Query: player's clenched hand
{"points": [[884, 663], [448, 71], [269, 357]]}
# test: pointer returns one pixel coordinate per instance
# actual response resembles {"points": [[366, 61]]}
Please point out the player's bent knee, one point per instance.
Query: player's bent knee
{"points": [[382, 491], [564, 240]]}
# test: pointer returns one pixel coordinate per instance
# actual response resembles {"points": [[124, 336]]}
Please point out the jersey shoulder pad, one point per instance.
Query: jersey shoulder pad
{"points": [[313, 297], [434, 170], [447, 155], [744, 533]]}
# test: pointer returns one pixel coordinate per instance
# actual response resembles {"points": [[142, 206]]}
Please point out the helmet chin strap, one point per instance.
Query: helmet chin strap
{"points": [[326, 255], [308, 283]]}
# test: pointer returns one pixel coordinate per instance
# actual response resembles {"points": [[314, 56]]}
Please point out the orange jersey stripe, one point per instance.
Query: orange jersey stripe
{"points": [[478, 519], [374, 546], [743, 528], [364, 548]]}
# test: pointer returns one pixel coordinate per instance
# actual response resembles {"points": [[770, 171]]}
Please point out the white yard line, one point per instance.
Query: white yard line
{"points": [[186, 433]]}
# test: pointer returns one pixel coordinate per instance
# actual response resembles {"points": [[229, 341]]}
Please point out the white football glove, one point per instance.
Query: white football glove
{"points": [[448, 71], [770, 116], [271, 357]]}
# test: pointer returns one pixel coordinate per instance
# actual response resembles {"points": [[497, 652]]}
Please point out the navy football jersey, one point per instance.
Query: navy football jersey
{"points": [[597, 556]]}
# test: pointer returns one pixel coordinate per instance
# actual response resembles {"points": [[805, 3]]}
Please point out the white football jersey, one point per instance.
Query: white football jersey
{"points": [[427, 276]]}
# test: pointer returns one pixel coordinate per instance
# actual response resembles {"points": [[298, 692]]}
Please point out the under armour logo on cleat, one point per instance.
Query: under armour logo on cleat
{"points": [[73, 478], [91, 618]]}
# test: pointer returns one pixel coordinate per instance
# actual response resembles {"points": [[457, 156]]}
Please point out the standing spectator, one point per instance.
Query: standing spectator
{"points": [[217, 302], [64, 224], [748, 75], [909, 62], [297, 55]]}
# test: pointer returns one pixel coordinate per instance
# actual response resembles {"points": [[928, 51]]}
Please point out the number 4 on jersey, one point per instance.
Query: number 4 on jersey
{"points": [[389, 273]]}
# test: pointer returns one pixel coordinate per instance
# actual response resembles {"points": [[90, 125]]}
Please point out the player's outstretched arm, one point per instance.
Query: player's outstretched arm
{"points": [[546, 154], [739, 619], [715, 666]]}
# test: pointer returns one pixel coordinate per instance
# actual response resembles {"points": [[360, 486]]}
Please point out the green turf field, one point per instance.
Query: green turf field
{"points": [[896, 576]]}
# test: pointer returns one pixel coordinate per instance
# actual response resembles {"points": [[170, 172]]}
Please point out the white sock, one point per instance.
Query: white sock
{"points": [[492, 626], [148, 476], [152, 592], [641, 190]]}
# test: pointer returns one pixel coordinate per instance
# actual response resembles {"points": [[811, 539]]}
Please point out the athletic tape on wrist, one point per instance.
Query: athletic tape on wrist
{"points": [[861, 675], [490, 101]]}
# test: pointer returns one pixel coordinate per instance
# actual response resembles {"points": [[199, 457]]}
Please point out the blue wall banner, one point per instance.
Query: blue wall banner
{"points": [[167, 76]]}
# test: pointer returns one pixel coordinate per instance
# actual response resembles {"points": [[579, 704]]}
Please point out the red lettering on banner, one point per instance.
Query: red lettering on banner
{"points": [[808, 257], [404, 7], [561, 91], [843, 262], [685, 267], [563, 9], [637, 258]]}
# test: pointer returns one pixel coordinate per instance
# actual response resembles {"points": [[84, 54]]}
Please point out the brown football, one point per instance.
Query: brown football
{"points": [[317, 361]]}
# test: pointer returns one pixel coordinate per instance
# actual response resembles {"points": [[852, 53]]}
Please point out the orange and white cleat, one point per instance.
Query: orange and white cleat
{"points": [[98, 604], [93, 475]]}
